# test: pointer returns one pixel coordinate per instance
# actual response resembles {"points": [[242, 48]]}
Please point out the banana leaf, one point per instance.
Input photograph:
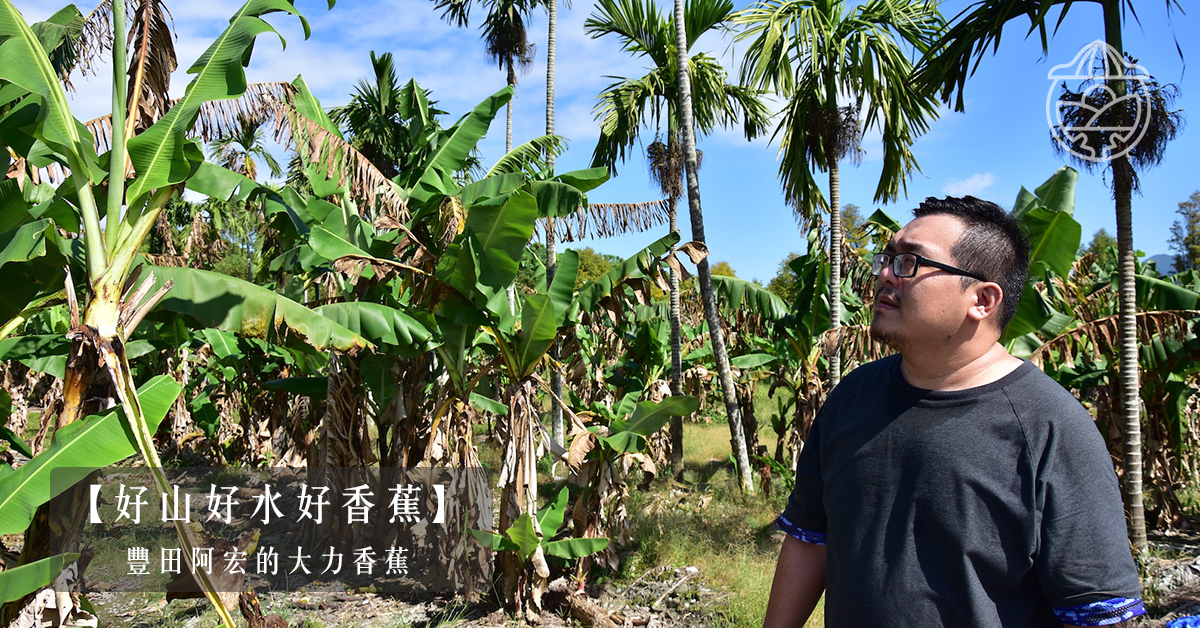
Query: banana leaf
{"points": [[237, 306], [79, 449], [158, 154], [18, 582], [592, 292], [23, 61], [452, 154], [381, 324], [501, 227], [738, 293]]}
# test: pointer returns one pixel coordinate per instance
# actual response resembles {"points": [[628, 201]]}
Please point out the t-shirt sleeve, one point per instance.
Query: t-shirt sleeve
{"points": [[1083, 561], [804, 515]]}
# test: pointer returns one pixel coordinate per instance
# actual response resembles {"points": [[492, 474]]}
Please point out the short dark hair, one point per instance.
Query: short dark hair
{"points": [[993, 245]]}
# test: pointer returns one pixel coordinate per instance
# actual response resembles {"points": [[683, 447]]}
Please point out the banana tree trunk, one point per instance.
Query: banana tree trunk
{"points": [[835, 272], [737, 438], [1127, 307]]}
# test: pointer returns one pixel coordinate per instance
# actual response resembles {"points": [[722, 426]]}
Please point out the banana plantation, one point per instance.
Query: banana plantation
{"points": [[392, 301]]}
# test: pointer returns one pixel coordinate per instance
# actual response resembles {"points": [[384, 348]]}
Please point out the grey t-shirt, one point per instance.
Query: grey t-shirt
{"points": [[982, 507]]}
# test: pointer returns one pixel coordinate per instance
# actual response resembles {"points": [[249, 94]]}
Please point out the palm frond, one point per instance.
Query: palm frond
{"points": [[271, 103], [605, 220]]}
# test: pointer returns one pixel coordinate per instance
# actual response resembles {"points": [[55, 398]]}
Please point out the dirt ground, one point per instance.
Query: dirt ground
{"points": [[662, 597], [659, 598]]}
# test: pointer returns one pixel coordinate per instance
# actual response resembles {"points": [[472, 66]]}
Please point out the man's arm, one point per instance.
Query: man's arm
{"points": [[799, 582]]}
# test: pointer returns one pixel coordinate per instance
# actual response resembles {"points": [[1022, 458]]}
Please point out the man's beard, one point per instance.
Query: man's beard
{"points": [[890, 338]]}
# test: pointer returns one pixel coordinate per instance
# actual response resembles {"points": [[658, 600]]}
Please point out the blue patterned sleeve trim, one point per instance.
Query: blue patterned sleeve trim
{"points": [[814, 538], [1102, 613]]}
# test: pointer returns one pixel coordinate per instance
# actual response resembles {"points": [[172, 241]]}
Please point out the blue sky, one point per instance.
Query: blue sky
{"points": [[999, 144]]}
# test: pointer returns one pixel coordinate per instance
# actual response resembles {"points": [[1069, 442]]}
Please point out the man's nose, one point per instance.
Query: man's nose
{"points": [[887, 275]]}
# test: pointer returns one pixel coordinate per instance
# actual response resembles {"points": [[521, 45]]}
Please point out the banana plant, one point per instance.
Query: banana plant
{"points": [[603, 444], [111, 297], [532, 539]]}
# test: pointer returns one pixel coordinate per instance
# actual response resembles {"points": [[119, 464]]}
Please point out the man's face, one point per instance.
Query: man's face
{"points": [[928, 309]]}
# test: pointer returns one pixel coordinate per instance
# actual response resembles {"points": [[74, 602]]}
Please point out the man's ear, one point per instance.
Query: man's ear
{"points": [[989, 297]]}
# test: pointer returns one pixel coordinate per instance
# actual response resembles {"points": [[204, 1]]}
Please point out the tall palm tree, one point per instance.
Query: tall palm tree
{"points": [[505, 37], [557, 431], [374, 116], [813, 52], [240, 151], [655, 101], [953, 60]]}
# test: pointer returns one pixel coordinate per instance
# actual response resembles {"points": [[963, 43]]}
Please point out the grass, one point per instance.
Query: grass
{"points": [[705, 521]]}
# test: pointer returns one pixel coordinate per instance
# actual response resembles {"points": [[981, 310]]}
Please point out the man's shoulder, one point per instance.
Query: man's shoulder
{"points": [[1044, 407]]}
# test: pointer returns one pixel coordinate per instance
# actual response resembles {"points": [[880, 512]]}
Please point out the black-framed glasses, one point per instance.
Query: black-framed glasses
{"points": [[906, 264]]}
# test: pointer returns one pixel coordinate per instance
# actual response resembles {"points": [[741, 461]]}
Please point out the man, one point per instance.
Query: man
{"points": [[953, 484]]}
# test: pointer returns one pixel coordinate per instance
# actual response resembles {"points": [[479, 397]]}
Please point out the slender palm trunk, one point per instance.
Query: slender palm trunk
{"points": [[676, 352], [835, 272], [738, 440], [556, 380], [511, 291], [512, 80], [1127, 308]]}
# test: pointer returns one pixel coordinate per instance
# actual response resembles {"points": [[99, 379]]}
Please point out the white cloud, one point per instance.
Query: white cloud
{"points": [[973, 185]]}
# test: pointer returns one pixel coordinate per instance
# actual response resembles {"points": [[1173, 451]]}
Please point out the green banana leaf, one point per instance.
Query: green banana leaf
{"points": [[562, 287], [59, 35], [738, 293], [751, 360], [575, 548], [501, 227], [1154, 294], [494, 541], [23, 61], [538, 331], [629, 436], [237, 306], [550, 516], [523, 534], [487, 404], [495, 185], [452, 154], [1048, 217], [591, 293], [18, 582], [1057, 194], [31, 265], [78, 449], [158, 154], [381, 324]]}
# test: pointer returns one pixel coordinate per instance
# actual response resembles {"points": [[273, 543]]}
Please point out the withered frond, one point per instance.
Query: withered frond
{"points": [[1100, 337], [153, 47], [271, 103], [338, 158], [605, 220]]}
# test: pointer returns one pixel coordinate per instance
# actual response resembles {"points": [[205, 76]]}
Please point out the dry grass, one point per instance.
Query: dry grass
{"points": [[706, 522]]}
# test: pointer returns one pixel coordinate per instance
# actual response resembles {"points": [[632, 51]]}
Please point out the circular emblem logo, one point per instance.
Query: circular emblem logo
{"points": [[1084, 117]]}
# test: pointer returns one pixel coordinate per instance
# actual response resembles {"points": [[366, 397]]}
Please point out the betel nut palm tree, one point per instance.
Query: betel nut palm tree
{"points": [[654, 101], [240, 151], [505, 36], [948, 65], [817, 54]]}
